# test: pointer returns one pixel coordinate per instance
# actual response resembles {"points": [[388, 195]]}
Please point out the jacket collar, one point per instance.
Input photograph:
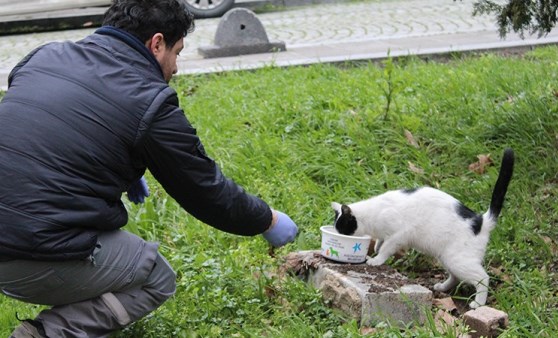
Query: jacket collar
{"points": [[132, 41]]}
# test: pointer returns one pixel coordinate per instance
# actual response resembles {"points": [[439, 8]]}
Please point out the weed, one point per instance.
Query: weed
{"points": [[302, 137]]}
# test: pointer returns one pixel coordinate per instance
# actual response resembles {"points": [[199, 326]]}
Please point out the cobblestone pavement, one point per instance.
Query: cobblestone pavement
{"points": [[308, 25], [354, 22]]}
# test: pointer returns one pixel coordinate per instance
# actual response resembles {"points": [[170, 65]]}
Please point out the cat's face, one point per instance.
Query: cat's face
{"points": [[345, 221]]}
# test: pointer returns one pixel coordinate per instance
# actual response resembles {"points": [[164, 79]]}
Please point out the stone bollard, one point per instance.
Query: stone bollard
{"points": [[240, 32]]}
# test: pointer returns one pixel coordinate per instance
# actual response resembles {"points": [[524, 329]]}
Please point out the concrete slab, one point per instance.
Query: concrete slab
{"points": [[369, 294]]}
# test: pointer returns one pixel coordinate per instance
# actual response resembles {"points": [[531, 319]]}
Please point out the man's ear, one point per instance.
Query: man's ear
{"points": [[156, 44]]}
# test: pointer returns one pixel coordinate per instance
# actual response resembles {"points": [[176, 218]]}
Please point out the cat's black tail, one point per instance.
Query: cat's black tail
{"points": [[500, 189]]}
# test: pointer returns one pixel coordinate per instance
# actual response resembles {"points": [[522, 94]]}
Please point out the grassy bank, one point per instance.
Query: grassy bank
{"points": [[303, 137]]}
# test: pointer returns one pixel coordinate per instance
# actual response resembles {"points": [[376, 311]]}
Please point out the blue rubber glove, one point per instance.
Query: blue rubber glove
{"points": [[282, 232], [138, 191]]}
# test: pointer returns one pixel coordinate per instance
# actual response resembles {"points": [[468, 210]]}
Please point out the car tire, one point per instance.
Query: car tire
{"points": [[208, 8]]}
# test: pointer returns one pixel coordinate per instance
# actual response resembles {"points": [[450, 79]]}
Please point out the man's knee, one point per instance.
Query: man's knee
{"points": [[162, 280]]}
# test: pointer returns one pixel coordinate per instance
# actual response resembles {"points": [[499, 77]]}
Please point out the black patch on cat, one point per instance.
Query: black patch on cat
{"points": [[346, 224], [409, 191], [501, 187], [469, 214]]}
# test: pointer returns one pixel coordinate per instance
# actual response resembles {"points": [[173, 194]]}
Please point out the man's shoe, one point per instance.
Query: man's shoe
{"points": [[29, 328]]}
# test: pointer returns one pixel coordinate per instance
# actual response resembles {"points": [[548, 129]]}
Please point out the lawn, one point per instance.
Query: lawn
{"points": [[302, 137]]}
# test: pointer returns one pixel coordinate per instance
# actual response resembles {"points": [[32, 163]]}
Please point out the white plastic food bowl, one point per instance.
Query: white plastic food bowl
{"points": [[342, 248]]}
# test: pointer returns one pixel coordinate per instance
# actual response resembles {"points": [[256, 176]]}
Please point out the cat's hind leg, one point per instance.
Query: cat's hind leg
{"points": [[480, 281], [471, 273], [449, 284]]}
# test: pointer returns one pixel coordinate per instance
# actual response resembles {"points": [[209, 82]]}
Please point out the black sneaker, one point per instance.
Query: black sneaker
{"points": [[29, 328]]}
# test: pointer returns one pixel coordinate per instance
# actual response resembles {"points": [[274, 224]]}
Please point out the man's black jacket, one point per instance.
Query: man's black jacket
{"points": [[79, 124]]}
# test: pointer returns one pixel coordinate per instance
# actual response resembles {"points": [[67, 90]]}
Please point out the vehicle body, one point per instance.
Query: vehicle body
{"points": [[208, 8], [200, 8]]}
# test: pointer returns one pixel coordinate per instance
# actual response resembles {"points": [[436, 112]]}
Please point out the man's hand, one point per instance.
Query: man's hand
{"points": [[138, 191], [282, 230]]}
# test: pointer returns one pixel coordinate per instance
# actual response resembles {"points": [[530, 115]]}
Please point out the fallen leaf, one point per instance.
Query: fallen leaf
{"points": [[499, 272], [368, 330], [299, 264], [269, 292], [445, 304], [443, 319], [292, 264], [415, 169], [411, 139], [551, 244], [479, 166]]}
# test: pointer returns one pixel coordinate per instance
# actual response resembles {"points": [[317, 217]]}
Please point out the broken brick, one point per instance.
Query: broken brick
{"points": [[486, 322]]}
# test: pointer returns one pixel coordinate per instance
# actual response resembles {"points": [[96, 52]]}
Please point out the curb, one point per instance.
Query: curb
{"points": [[51, 21]]}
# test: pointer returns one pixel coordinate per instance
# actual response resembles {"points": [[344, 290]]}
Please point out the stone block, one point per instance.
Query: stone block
{"points": [[486, 321], [368, 294], [240, 32]]}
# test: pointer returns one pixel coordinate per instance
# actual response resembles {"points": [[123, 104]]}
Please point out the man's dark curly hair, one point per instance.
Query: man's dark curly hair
{"points": [[145, 18]]}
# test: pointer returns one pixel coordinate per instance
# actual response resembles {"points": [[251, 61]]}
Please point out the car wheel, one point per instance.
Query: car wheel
{"points": [[208, 8]]}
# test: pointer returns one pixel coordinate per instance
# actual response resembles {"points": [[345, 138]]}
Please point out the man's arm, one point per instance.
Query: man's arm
{"points": [[175, 156]]}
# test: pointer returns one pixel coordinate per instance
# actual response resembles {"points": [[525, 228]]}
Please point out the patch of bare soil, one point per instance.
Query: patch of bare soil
{"points": [[380, 278]]}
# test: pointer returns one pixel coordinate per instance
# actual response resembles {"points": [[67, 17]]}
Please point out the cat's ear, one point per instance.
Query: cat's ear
{"points": [[336, 207], [345, 210]]}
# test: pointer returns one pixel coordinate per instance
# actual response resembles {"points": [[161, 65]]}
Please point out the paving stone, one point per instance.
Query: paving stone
{"points": [[486, 321], [368, 294]]}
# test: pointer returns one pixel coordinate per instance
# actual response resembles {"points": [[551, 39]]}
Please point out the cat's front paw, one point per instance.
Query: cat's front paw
{"points": [[374, 261], [474, 305]]}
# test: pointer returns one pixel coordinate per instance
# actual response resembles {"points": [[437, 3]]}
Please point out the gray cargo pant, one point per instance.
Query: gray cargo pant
{"points": [[124, 280]]}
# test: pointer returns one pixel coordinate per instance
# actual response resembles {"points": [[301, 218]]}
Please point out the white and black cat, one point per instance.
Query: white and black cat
{"points": [[432, 222]]}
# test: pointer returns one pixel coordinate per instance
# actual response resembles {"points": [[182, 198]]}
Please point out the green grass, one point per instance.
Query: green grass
{"points": [[305, 136]]}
